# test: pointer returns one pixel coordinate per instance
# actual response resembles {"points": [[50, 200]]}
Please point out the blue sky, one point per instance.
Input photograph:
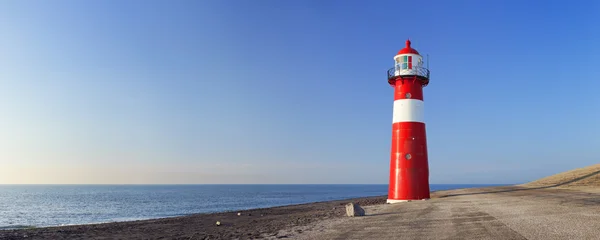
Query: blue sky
{"points": [[291, 91]]}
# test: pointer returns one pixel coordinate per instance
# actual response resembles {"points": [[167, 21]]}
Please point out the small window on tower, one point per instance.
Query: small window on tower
{"points": [[409, 62], [404, 62]]}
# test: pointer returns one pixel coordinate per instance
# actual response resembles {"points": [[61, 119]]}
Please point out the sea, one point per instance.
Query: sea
{"points": [[26, 206]]}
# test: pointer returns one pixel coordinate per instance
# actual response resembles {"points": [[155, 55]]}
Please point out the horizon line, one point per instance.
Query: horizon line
{"points": [[134, 184]]}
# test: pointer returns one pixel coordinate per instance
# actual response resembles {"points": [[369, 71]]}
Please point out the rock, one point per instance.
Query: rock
{"points": [[354, 210], [218, 223], [239, 214]]}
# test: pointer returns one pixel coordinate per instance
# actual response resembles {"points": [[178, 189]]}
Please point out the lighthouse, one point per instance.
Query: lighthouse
{"points": [[409, 168]]}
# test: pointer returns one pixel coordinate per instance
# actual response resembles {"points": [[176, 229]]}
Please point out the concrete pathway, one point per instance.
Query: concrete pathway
{"points": [[489, 213]]}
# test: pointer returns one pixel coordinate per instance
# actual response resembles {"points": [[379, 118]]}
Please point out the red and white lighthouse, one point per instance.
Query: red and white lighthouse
{"points": [[409, 169]]}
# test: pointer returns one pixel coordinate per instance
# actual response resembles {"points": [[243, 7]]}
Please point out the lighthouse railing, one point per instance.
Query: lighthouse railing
{"points": [[419, 71]]}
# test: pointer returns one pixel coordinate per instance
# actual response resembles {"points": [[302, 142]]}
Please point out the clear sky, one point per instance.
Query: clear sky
{"points": [[292, 91]]}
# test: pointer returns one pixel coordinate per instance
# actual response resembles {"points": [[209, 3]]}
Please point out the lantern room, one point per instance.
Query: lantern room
{"points": [[408, 62]]}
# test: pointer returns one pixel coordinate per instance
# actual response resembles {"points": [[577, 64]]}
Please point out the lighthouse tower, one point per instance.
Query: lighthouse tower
{"points": [[409, 170]]}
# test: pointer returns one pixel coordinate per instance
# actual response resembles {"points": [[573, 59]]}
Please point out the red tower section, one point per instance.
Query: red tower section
{"points": [[409, 168]]}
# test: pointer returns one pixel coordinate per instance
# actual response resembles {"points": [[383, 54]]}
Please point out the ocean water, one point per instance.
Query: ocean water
{"points": [[24, 206]]}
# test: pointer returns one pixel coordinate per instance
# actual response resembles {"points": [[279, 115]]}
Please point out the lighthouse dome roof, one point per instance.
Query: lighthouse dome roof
{"points": [[407, 49]]}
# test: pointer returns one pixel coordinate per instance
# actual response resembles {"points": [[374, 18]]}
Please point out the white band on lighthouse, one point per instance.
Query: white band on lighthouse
{"points": [[408, 110]]}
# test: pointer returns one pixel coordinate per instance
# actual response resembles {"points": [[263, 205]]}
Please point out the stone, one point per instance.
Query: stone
{"points": [[239, 214], [354, 210], [218, 223]]}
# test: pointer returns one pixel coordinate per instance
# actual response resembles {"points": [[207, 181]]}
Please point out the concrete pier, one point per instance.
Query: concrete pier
{"points": [[488, 213]]}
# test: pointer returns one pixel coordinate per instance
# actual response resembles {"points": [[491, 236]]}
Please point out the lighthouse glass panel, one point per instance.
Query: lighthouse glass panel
{"points": [[406, 62]]}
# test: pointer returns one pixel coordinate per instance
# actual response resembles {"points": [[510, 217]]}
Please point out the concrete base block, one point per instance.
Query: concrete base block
{"points": [[391, 201]]}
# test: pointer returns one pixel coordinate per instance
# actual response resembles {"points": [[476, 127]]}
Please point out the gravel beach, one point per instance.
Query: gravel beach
{"points": [[251, 224]]}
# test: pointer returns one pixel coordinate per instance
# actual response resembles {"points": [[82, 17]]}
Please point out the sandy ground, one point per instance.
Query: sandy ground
{"points": [[252, 224], [580, 177], [490, 213]]}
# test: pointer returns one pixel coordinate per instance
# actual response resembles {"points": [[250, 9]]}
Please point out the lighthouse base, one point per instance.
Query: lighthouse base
{"points": [[392, 201]]}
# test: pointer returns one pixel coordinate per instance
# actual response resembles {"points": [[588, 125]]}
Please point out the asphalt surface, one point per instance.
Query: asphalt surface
{"points": [[492, 213]]}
